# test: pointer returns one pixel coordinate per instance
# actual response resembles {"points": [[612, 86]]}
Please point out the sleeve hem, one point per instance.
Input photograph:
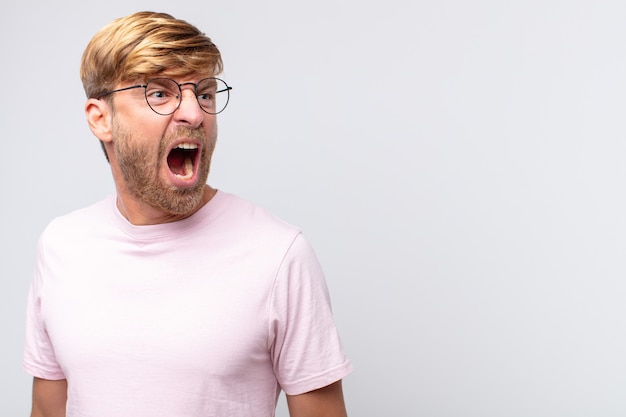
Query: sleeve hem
{"points": [[38, 372], [318, 381]]}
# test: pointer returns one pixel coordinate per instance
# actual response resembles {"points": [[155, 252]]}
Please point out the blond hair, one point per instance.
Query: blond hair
{"points": [[144, 45]]}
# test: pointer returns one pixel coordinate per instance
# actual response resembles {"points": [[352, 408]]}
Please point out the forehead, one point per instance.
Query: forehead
{"points": [[172, 84], [182, 76]]}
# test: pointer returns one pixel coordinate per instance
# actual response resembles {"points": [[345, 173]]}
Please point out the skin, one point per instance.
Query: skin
{"points": [[323, 402], [49, 398], [137, 141]]}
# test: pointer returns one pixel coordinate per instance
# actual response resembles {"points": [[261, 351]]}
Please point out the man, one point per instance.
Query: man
{"points": [[171, 298]]}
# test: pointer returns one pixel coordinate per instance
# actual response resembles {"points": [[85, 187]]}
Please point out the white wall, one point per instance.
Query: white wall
{"points": [[458, 165]]}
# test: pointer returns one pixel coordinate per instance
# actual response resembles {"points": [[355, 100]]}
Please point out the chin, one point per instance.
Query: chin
{"points": [[181, 202]]}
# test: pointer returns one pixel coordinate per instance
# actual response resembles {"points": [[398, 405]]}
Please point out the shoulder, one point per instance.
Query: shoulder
{"points": [[233, 208], [236, 222], [78, 222]]}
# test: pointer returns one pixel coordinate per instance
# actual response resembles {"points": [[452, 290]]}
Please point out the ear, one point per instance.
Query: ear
{"points": [[99, 119]]}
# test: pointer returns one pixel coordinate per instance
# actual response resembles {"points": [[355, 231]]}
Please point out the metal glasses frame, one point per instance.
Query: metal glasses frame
{"points": [[195, 89]]}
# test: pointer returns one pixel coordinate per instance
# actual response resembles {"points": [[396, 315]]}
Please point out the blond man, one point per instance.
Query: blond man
{"points": [[169, 297]]}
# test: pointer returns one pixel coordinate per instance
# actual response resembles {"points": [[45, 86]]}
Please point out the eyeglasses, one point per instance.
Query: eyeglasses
{"points": [[164, 95]]}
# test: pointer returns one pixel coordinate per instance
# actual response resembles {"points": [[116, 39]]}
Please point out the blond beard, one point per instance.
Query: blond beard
{"points": [[140, 170]]}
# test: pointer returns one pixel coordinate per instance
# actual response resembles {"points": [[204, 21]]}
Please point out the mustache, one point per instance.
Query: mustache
{"points": [[192, 133], [186, 132]]}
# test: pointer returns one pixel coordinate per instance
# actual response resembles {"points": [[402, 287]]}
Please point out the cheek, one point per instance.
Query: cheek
{"points": [[210, 133], [210, 125], [145, 130]]}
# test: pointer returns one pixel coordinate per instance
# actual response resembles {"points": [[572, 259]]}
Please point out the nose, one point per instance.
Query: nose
{"points": [[189, 112]]}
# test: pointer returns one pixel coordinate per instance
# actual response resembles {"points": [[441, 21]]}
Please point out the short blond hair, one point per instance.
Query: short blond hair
{"points": [[143, 45]]}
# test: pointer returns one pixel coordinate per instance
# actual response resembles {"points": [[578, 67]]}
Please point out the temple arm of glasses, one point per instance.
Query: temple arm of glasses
{"points": [[121, 89]]}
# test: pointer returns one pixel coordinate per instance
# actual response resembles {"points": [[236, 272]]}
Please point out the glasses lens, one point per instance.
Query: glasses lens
{"points": [[213, 95], [163, 95]]}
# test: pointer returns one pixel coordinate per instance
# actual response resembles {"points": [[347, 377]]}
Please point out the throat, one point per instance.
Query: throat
{"points": [[181, 161]]}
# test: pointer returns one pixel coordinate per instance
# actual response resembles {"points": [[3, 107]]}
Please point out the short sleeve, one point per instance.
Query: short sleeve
{"points": [[39, 358], [305, 346]]}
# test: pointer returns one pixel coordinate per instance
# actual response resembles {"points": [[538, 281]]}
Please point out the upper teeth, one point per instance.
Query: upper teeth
{"points": [[187, 146]]}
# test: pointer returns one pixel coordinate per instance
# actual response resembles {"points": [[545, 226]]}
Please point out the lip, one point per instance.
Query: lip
{"points": [[186, 181]]}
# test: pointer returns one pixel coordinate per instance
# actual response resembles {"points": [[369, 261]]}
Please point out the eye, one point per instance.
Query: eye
{"points": [[160, 94], [206, 90], [206, 96], [161, 90]]}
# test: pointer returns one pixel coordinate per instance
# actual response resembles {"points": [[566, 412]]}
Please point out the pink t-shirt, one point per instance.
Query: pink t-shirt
{"points": [[206, 317]]}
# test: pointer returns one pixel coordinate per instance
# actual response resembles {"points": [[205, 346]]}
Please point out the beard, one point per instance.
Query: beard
{"points": [[141, 169]]}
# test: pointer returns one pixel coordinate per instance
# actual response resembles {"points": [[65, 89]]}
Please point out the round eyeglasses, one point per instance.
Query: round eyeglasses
{"points": [[164, 95]]}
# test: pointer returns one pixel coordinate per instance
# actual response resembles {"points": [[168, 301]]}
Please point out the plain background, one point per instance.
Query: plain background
{"points": [[458, 166]]}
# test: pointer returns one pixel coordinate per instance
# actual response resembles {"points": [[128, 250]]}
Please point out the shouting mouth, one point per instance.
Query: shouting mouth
{"points": [[182, 160]]}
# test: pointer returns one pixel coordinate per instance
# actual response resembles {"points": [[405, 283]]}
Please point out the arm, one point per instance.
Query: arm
{"points": [[49, 398], [323, 402]]}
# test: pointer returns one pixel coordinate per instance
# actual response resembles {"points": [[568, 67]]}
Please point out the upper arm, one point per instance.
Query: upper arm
{"points": [[323, 402], [49, 398]]}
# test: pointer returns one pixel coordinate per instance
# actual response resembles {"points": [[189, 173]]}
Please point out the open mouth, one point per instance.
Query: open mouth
{"points": [[181, 160]]}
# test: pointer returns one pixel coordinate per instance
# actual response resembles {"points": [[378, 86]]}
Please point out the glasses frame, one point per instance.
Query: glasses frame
{"points": [[180, 96]]}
